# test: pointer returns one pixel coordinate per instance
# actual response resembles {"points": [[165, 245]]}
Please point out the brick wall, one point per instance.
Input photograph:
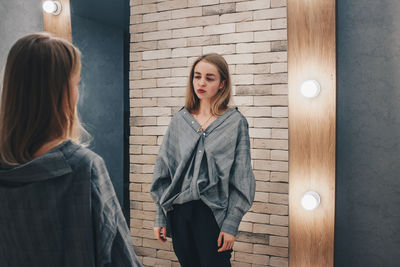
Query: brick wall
{"points": [[166, 37]]}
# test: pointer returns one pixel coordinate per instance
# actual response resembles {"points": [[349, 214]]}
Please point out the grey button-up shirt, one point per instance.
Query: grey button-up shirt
{"points": [[212, 165], [60, 209]]}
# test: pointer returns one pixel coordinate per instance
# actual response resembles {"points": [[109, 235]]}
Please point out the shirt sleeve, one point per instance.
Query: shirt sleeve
{"points": [[161, 179], [112, 241], [241, 183]]}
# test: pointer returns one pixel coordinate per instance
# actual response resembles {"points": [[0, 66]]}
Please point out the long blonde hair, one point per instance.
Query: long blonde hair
{"points": [[224, 95], [35, 102]]}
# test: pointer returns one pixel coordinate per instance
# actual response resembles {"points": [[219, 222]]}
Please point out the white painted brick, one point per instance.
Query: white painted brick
{"points": [[279, 155], [163, 120], [236, 17], [220, 49], [252, 5], [252, 68], [135, 75], [253, 47], [144, 65], [143, 27], [174, 4], [166, 102], [172, 43], [187, 12], [186, 51], [243, 100], [273, 35], [239, 59], [271, 101], [175, 62], [157, 16], [273, 78], [188, 32], [148, 83], [259, 133], [159, 92], [219, 29], [157, 130], [219, 9], [187, 22], [144, 102], [258, 25], [242, 79], [280, 133], [278, 67], [271, 122], [142, 9], [278, 3], [202, 2], [270, 57], [157, 35], [279, 24], [243, 37], [279, 89], [136, 56], [256, 111], [179, 91], [280, 112], [157, 111], [279, 176], [180, 72], [203, 40], [171, 82], [156, 73], [156, 54], [135, 19], [272, 13], [143, 46], [262, 197]]}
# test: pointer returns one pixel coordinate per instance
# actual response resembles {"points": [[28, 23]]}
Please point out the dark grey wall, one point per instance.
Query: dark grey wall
{"points": [[101, 100], [17, 18], [368, 134]]}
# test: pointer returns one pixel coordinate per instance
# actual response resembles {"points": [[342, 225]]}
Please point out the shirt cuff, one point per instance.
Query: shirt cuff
{"points": [[231, 225], [160, 220]]}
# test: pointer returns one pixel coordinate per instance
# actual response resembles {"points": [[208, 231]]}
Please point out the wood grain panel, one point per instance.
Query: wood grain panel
{"points": [[59, 25], [312, 130]]}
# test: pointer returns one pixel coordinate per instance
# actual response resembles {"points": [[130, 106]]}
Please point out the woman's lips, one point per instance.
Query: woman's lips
{"points": [[201, 91]]}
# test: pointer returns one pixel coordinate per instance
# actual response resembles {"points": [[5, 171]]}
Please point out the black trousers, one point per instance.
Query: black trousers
{"points": [[194, 236]]}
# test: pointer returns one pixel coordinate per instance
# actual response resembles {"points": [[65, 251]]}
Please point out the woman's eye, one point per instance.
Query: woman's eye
{"points": [[197, 77], [209, 79]]}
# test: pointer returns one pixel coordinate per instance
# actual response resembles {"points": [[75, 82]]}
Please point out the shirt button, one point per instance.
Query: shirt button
{"points": [[192, 122], [199, 151], [204, 134]]}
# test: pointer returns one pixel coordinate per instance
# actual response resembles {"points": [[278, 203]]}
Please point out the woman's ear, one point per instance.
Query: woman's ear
{"points": [[222, 84]]}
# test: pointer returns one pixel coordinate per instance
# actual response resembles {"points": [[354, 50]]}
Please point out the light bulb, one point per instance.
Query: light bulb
{"points": [[310, 88], [52, 7], [310, 200]]}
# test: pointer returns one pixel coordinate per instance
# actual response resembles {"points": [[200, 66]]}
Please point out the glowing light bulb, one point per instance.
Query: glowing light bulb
{"points": [[52, 7], [310, 88], [310, 200]]}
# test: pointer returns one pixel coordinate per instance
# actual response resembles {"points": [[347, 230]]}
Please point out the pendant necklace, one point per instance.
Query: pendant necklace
{"points": [[201, 129]]}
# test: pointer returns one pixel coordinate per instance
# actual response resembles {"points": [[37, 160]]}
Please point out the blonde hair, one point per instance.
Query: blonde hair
{"points": [[223, 97], [35, 102]]}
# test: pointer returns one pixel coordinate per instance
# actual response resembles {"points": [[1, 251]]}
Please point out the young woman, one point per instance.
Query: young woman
{"points": [[57, 204], [203, 182]]}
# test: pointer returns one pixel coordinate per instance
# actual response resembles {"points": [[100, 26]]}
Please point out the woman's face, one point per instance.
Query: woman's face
{"points": [[74, 86], [206, 80]]}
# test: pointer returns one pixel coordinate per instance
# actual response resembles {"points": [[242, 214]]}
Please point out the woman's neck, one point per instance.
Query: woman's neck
{"points": [[204, 108]]}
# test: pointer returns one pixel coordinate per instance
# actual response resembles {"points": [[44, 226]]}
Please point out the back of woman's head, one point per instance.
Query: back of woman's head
{"points": [[36, 104]]}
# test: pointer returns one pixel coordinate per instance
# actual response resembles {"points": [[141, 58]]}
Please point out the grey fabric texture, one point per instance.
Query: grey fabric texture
{"points": [[60, 209], [213, 165]]}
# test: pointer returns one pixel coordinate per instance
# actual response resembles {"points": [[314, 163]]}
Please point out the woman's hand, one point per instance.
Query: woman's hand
{"points": [[228, 239], [160, 233]]}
